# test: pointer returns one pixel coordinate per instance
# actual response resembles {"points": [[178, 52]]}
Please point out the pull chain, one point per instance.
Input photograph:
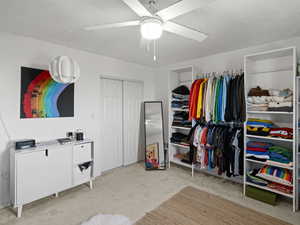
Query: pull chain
{"points": [[154, 50]]}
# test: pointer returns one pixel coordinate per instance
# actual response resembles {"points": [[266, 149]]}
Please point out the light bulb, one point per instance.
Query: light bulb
{"points": [[151, 29]]}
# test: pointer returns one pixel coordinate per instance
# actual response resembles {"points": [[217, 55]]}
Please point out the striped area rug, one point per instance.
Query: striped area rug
{"points": [[194, 207]]}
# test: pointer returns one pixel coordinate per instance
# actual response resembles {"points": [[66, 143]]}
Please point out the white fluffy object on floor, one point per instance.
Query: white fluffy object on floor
{"points": [[108, 220]]}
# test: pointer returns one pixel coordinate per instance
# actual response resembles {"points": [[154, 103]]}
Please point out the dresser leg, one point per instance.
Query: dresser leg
{"points": [[91, 184], [19, 211]]}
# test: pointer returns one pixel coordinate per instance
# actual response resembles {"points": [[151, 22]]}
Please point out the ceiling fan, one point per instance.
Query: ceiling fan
{"points": [[153, 22]]}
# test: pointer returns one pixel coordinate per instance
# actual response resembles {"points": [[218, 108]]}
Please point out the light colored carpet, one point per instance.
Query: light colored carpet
{"points": [[194, 207], [131, 191]]}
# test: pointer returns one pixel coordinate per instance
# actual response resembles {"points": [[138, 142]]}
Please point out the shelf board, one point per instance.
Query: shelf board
{"points": [[180, 110], [213, 172], [269, 164], [183, 69], [238, 179], [269, 112], [269, 138], [277, 53], [181, 146], [269, 189], [183, 128], [178, 162], [272, 71]]}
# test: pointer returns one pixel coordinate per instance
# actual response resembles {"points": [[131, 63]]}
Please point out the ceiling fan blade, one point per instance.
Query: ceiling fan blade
{"points": [[114, 25], [184, 31], [137, 7], [181, 7]]}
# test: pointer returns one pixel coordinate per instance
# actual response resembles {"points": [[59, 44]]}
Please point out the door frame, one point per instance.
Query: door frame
{"points": [[120, 78]]}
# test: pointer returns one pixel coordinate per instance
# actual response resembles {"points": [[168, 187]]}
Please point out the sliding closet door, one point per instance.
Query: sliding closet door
{"points": [[132, 99], [111, 126]]}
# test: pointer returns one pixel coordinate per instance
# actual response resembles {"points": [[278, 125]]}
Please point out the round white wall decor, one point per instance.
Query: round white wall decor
{"points": [[64, 69]]}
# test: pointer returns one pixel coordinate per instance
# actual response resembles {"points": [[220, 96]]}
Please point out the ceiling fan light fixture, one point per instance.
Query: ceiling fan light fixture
{"points": [[151, 28]]}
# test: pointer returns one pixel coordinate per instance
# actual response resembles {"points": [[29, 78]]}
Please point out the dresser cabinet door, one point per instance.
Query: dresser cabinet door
{"points": [[60, 168], [42, 173], [31, 180]]}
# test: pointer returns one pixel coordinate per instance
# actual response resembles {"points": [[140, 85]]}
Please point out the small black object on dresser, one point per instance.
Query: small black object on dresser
{"points": [[23, 144]]}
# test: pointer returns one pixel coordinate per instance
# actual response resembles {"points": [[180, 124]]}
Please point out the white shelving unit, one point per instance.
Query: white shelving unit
{"points": [[179, 76], [297, 144], [274, 69], [185, 76]]}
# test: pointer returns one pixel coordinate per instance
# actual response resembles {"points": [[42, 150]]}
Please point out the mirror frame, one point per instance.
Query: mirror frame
{"points": [[163, 134]]}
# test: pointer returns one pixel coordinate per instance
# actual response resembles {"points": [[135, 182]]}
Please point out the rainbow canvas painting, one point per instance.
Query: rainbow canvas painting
{"points": [[42, 97]]}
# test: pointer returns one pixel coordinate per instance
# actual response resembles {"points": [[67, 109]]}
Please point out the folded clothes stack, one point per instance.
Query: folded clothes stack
{"points": [[180, 104], [258, 150], [267, 152], [272, 177], [259, 127], [183, 157], [282, 132], [280, 156], [179, 138], [253, 122], [180, 97], [276, 174], [267, 128], [181, 119], [252, 178], [281, 187], [270, 100]]}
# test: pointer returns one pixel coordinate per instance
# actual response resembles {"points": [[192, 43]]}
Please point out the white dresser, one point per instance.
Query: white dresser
{"points": [[48, 169]]}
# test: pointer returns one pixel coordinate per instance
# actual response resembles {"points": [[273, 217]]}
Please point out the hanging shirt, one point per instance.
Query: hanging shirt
{"points": [[200, 99], [237, 150], [224, 97], [208, 98], [220, 102], [194, 99], [196, 140], [204, 99], [217, 90], [213, 98]]}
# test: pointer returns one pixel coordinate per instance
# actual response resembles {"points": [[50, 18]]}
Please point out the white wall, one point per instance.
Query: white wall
{"points": [[221, 62], [235, 59], [17, 51]]}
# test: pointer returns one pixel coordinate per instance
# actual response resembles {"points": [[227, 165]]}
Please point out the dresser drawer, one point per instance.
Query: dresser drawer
{"points": [[82, 153], [81, 176]]}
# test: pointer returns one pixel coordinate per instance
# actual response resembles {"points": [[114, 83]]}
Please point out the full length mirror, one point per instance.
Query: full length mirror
{"points": [[155, 157]]}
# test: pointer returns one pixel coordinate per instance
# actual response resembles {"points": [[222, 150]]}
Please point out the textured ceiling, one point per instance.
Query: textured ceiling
{"points": [[230, 24]]}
